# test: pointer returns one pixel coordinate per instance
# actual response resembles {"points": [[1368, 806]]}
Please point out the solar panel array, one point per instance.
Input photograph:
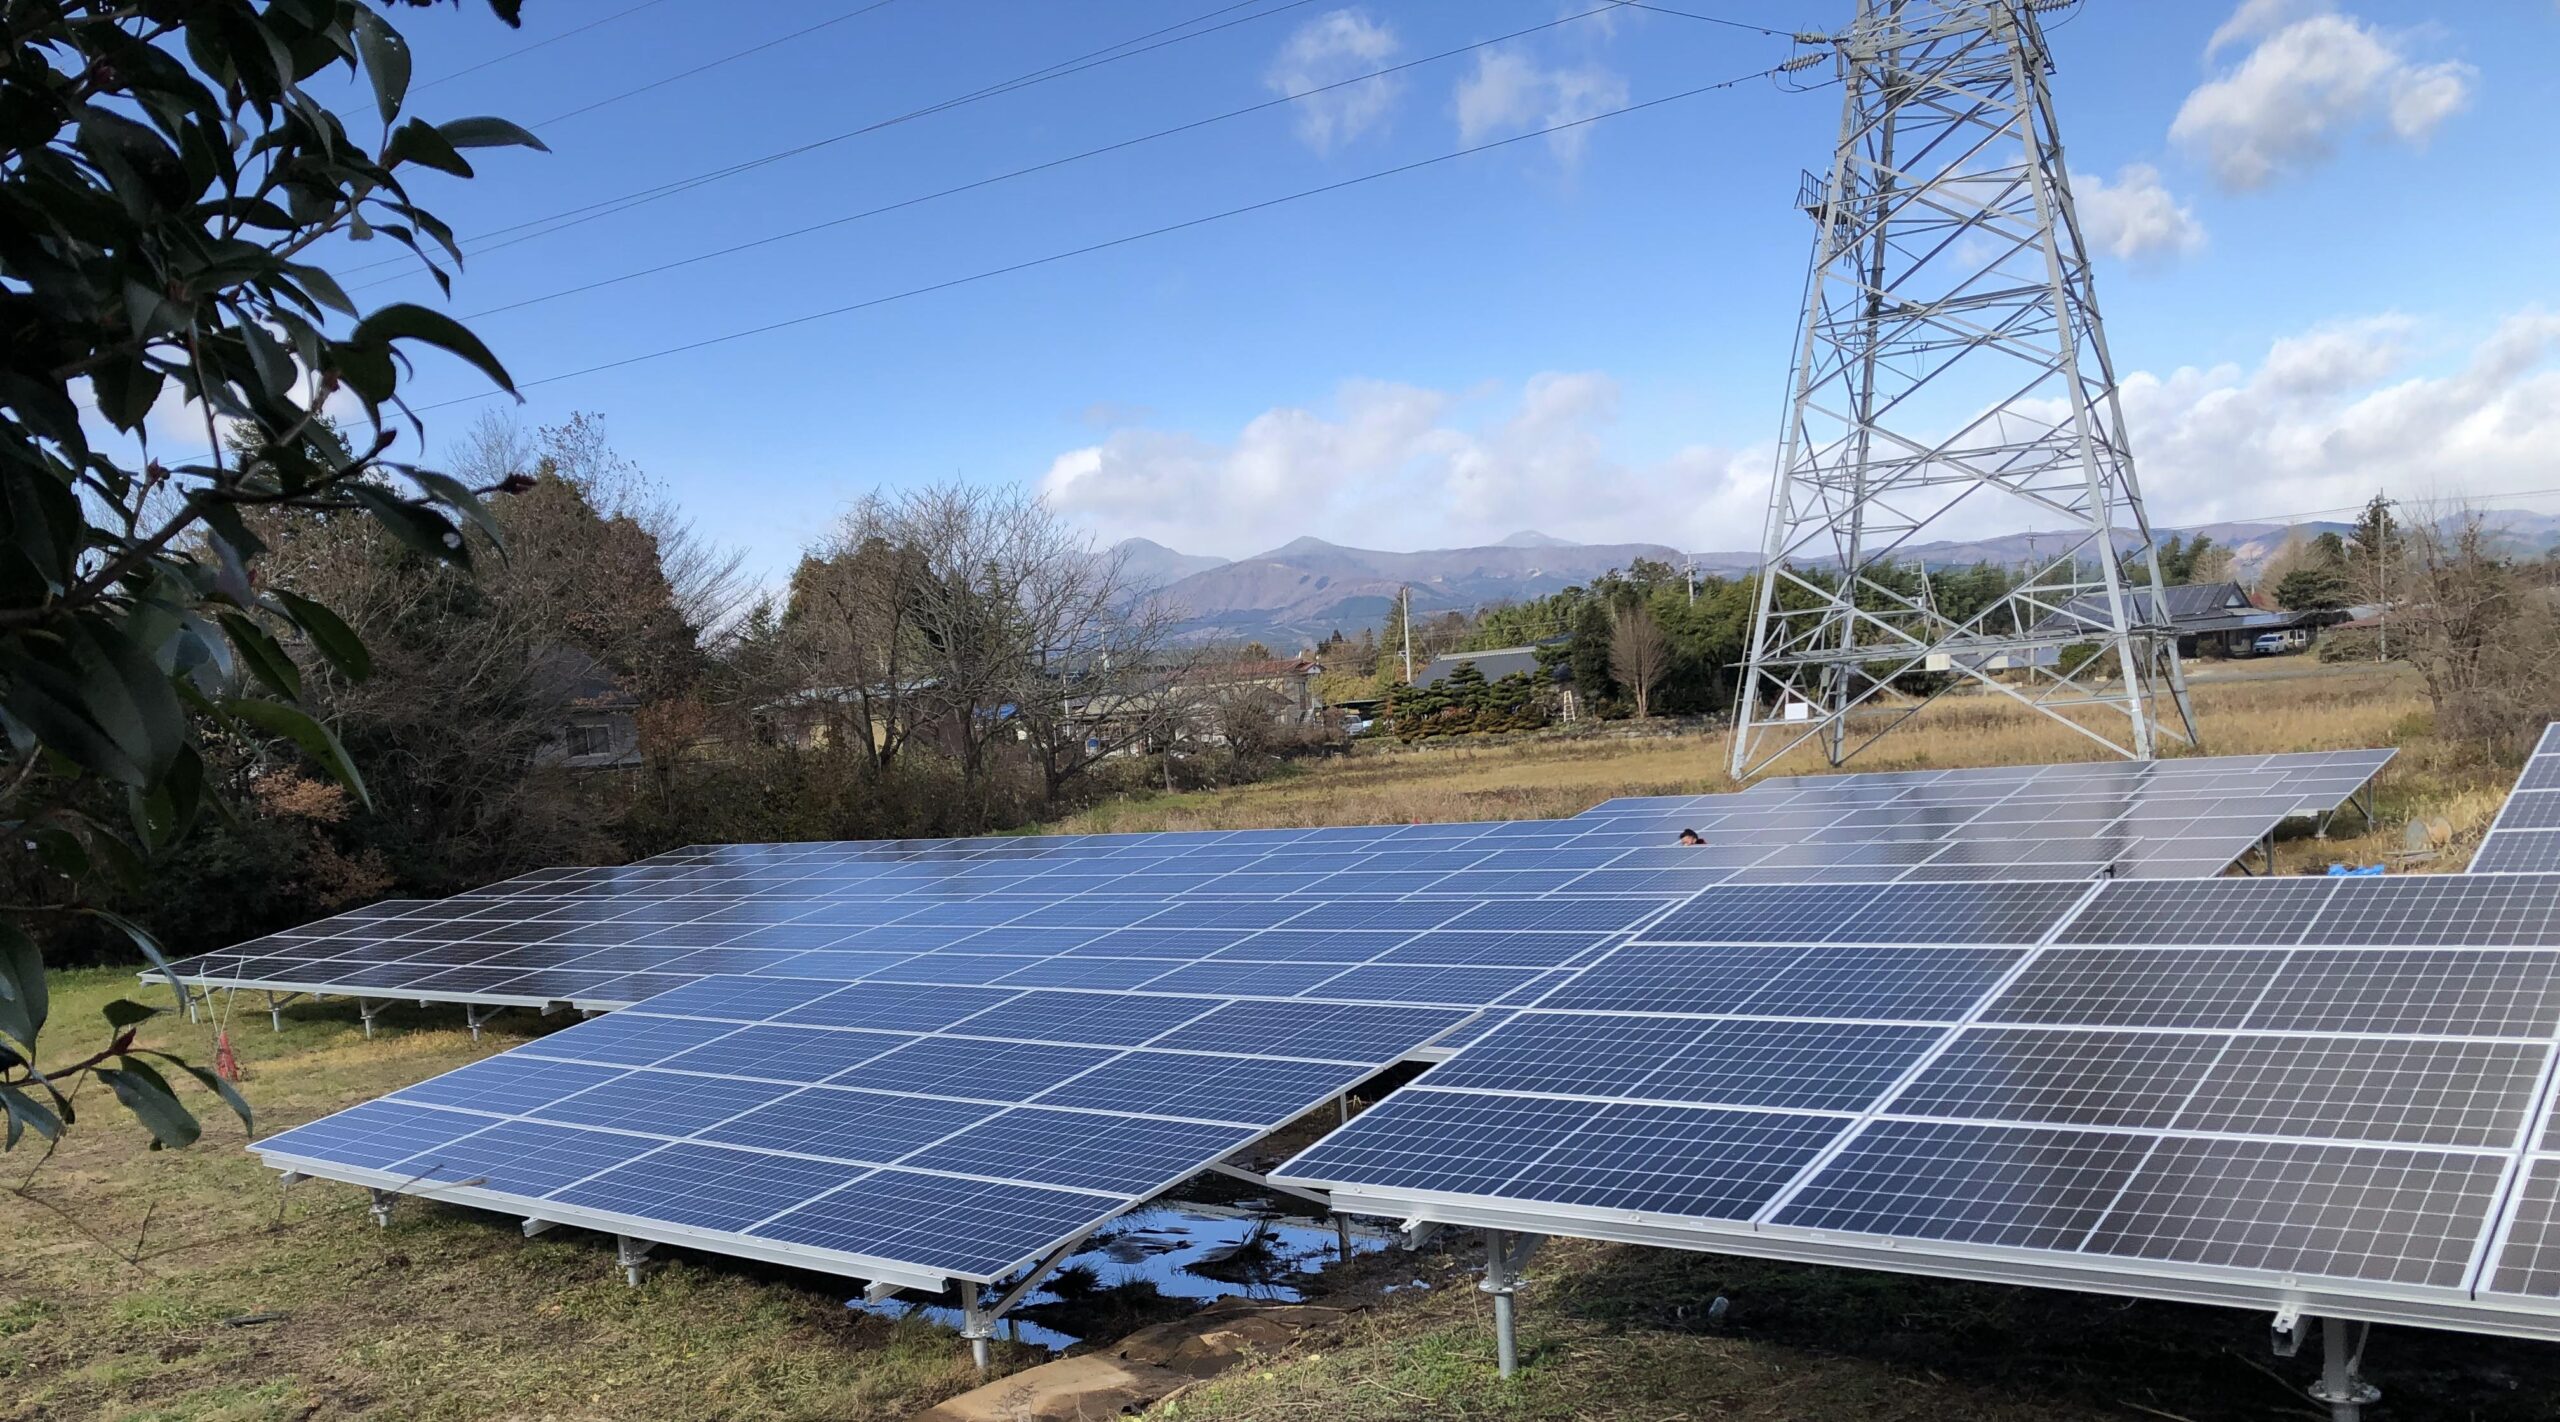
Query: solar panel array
{"points": [[851, 911], [2246, 1091], [2525, 838], [907, 1132], [2144, 819], [933, 1060]]}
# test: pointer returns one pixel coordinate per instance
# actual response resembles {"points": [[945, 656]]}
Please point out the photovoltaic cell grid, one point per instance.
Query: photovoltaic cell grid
{"points": [[2525, 838], [2250, 1087], [877, 1129], [855, 911], [2161, 819], [611, 950], [760, 1104]]}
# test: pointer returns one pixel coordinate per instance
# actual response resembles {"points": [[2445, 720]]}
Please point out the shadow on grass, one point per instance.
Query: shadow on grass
{"points": [[2185, 1360]]}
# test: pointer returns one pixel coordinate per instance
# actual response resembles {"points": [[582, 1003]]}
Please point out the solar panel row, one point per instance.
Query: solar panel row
{"points": [[884, 1130], [531, 950], [910, 1041], [850, 911], [2525, 838], [2244, 1089]]}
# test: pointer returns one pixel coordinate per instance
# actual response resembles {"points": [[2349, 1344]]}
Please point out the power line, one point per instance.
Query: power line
{"points": [[704, 68], [530, 48], [1707, 19], [1110, 243], [1092, 59], [1254, 108]]}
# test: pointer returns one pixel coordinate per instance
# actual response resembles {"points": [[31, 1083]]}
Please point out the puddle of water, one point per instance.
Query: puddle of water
{"points": [[1159, 1262]]}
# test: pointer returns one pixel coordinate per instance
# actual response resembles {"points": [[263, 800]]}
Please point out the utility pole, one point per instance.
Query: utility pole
{"points": [[1404, 595], [1949, 275], [2382, 531]]}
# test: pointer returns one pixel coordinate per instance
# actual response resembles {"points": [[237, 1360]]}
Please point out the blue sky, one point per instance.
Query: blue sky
{"points": [[2328, 232]]}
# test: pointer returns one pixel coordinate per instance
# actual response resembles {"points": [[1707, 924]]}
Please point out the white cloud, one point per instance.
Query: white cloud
{"points": [[2334, 413], [2326, 416], [1511, 93], [2135, 218], [1398, 466], [2256, 19], [2307, 83], [1327, 50]]}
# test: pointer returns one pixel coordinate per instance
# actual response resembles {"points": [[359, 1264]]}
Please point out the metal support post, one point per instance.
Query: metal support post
{"points": [[381, 1207], [1342, 1235], [975, 1325], [1506, 1253], [473, 1017], [1255, 1177], [2342, 1384], [633, 1256], [369, 1009], [275, 1009], [533, 1227], [188, 999]]}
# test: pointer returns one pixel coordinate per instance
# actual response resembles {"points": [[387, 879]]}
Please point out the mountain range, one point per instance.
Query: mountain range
{"points": [[1293, 595]]}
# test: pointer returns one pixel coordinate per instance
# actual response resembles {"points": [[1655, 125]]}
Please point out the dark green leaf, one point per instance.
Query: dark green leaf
{"points": [[22, 988], [24, 1112], [316, 740], [487, 132], [407, 321], [329, 633], [421, 528], [275, 368], [457, 496], [418, 142], [266, 660], [213, 1082], [60, 849], [142, 939], [386, 61], [323, 287], [148, 1097], [124, 1012]]}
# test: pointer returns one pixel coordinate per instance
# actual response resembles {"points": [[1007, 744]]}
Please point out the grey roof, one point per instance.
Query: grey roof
{"points": [[1495, 662], [2191, 607]]}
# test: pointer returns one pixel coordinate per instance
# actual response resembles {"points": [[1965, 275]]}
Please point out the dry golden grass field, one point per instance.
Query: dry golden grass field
{"points": [[182, 1286]]}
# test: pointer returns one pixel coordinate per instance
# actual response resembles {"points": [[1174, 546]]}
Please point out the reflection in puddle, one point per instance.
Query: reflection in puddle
{"points": [[1159, 1262]]}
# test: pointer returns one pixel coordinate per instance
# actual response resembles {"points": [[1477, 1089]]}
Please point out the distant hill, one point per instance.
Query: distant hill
{"points": [[1293, 595], [1150, 565]]}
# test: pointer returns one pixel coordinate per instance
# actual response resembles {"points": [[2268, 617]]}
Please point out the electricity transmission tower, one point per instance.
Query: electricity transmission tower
{"points": [[1951, 359]]}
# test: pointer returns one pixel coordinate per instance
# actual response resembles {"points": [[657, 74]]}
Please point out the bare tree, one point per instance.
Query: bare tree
{"points": [[852, 646], [1098, 681], [976, 620], [2485, 638], [708, 581], [1639, 654]]}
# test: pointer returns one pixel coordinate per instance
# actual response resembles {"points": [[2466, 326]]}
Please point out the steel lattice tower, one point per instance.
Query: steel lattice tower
{"points": [[1951, 357]]}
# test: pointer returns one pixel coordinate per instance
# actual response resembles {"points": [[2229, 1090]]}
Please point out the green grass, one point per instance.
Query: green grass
{"points": [[119, 1266]]}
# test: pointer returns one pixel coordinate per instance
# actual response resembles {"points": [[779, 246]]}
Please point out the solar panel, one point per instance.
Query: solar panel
{"points": [[755, 1116], [2240, 1090], [2525, 837]]}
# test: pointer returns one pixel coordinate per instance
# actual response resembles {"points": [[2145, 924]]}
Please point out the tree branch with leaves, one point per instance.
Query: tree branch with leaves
{"points": [[165, 172]]}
